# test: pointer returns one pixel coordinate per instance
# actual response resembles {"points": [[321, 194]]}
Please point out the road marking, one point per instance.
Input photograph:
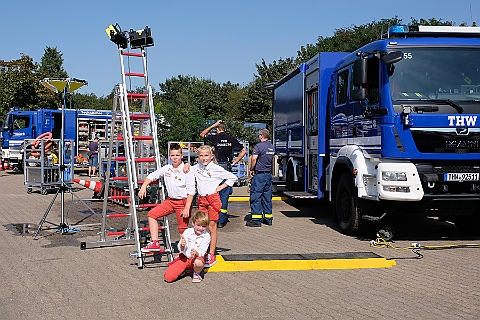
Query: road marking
{"points": [[301, 264]]}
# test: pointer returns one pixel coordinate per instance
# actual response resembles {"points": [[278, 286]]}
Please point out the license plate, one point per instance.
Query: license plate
{"points": [[461, 176]]}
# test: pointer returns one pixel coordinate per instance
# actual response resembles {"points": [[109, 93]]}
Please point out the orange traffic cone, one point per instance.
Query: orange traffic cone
{"points": [[1, 166], [96, 186], [5, 165]]}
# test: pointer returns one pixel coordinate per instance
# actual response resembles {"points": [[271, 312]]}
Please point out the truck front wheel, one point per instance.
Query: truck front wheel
{"points": [[469, 224], [346, 202]]}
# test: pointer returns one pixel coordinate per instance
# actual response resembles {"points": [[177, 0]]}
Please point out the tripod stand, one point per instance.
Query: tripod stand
{"points": [[65, 86]]}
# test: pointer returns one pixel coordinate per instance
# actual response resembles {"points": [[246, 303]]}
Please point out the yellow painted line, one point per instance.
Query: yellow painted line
{"points": [[320, 264], [247, 198]]}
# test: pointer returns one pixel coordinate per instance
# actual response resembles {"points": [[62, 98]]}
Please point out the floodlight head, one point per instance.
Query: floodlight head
{"points": [[140, 38], [115, 33]]}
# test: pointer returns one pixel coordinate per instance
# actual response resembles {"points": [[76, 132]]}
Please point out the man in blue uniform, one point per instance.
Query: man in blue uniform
{"points": [[261, 185], [225, 145]]}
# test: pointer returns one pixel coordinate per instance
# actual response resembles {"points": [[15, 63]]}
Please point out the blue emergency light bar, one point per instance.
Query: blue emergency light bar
{"points": [[433, 31]]}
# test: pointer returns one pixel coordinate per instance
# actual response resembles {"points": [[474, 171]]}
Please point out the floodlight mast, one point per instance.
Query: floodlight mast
{"points": [[137, 39]]}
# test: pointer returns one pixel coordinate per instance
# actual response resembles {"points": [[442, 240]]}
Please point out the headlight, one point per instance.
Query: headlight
{"points": [[394, 176]]}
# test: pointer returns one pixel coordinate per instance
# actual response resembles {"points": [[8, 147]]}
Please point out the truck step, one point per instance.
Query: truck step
{"points": [[299, 195]]}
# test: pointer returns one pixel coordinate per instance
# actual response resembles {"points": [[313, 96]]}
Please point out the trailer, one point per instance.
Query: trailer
{"points": [[390, 129]]}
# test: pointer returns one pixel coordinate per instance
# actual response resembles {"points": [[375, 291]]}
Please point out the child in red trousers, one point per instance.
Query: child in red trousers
{"points": [[193, 245], [209, 177]]}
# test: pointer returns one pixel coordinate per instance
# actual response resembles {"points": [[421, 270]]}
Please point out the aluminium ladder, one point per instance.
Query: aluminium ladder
{"points": [[141, 156]]}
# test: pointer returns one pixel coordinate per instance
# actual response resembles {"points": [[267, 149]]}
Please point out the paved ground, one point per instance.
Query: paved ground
{"points": [[51, 278]]}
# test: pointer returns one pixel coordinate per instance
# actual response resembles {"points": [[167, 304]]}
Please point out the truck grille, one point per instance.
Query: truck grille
{"points": [[446, 142]]}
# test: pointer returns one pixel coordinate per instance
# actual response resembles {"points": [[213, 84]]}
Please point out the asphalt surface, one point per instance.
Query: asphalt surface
{"points": [[51, 278]]}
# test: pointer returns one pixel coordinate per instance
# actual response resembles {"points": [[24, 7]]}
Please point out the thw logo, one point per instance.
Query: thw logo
{"points": [[462, 121]]}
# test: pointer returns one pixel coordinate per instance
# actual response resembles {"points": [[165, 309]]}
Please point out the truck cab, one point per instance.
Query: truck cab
{"points": [[20, 125]]}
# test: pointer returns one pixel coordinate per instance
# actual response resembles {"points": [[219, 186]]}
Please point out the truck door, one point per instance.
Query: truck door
{"points": [[342, 112], [365, 132], [47, 122], [19, 126]]}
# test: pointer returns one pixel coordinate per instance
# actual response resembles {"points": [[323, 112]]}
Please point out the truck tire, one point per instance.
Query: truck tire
{"points": [[469, 224], [347, 208]]}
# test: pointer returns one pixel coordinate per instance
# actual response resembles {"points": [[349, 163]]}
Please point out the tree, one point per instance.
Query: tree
{"points": [[51, 67], [52, 64], [18, 84]]}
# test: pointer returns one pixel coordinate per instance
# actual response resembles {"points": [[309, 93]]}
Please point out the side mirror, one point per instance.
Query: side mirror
{"points": [[392, 57], [358, 94], [360, 72]]}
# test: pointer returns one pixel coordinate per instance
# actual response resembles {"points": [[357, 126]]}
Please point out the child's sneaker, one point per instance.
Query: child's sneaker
{"points": [[210, 260], [196, 277], [152, 246]]}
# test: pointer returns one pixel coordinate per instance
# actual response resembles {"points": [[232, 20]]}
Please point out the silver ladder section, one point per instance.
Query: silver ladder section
{"points": [[141, 156]]}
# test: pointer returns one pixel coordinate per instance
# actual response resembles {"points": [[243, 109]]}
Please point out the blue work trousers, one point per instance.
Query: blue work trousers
{"points": [[261, 197], [224, 194]]}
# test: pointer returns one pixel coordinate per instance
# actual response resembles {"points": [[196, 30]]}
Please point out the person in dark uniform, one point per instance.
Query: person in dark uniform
{"points": [[261, 185], [225, 145]]}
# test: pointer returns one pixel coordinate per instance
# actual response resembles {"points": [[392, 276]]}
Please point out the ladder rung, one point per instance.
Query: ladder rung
{"points": [[141, 137], [151, 159], [148, 205], [148, 228], [118, 215], [136, 96], [139, 116], [119, 197], [131, 54], [115, 233], [134, 74], [145, 159], [156, 252]]}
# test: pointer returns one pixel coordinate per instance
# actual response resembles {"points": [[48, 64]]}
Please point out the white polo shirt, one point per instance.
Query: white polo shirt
{"points": [[178, 183], [199, 243], [209, 177]]}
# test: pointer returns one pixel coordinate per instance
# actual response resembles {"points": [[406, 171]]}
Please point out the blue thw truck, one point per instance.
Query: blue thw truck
{"points": [[80, 126], [389, 129]]}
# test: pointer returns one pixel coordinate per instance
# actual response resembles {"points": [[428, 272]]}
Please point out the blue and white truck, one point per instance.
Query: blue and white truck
{"points": [[391, 128], [80, 126]]}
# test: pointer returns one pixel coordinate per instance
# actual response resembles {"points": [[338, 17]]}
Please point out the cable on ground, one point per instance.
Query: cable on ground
{"points": [[415, 247]]}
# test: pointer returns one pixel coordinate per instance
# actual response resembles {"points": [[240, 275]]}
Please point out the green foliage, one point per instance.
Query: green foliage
{"points": [[178, 123], [89, 101], [52, 64], [18, 84]]}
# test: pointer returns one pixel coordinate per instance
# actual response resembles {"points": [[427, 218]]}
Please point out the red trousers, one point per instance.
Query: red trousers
{"points": [[210, 204], [170, 206], [177, 266]]}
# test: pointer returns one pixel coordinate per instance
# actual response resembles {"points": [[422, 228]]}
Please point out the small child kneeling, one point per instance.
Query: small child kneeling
{"points": [[193, 245]]}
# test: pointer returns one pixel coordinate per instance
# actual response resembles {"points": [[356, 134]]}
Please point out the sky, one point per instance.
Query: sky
{"points": [[209, 39]]}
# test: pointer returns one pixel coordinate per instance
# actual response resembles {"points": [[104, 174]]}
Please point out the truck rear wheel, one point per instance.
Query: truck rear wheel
{"points": [[346, 206]]}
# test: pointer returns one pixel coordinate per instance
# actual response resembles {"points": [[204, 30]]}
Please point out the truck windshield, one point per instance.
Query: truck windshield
{"points": [[433, 75]]}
